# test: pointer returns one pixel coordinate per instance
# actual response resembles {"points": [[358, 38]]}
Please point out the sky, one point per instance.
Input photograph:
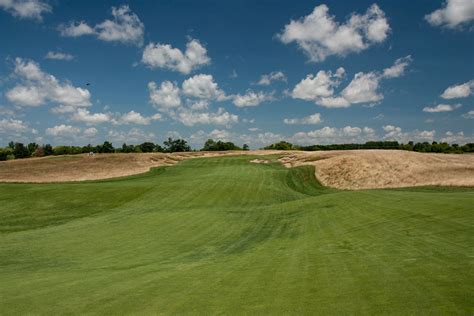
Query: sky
{"points": [[254, 72]]}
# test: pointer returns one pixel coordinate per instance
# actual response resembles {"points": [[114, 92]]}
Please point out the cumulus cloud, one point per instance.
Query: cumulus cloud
{"points": [[454, 13], [125, 28], [90, 132], [199, 105], [441, 108], [167, 57], [469, 115], [26, 9], [266, 80], [203, 87], [221, 117], [319, 35], [334, 135], [84, 116], [309, 120], [459, 91], [456, 138], [14, 127], [398, 68], [59, 56], [396, 133], [198, 92], [167, 96], [38, 87], [133, 117], [363, 88], [76, 29], [63, 131], [251, 98], [134, 135], [320, 86]]}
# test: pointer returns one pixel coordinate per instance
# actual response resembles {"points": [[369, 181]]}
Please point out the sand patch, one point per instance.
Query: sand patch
{"points": [[264, 161]]}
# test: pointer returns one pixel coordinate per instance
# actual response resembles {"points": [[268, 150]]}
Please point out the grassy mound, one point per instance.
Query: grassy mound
{"points": [[222, 235]]}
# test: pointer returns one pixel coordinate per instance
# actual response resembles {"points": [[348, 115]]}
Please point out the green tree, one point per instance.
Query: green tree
{"points": [[107, 147], [48, 150], [176, 145], [147, 147], [32, 148], [20, 151]]}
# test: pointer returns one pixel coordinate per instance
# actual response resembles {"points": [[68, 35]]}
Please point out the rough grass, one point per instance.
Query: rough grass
{"points": [[225, 236]]}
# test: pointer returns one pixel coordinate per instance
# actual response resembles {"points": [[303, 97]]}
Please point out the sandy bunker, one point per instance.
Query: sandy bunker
{"points": [[356, 169]]}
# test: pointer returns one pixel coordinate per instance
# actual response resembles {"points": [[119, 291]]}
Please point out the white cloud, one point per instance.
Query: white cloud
{"points": [[12, 126], [63, 131], [90, 132], [362, 89], [334, 102], [165, 97], [133, 117], [459, 91], [203, 87], [200, 105], [39, 87], [396, 133], [442, 108], [83, 115], [469, 115], [59, 56], [125, 28], [26, 9], [266, 80], [454, 13], [313, 87], [76, 29], [221, 117], [165, 56], [333, 135], [312, 119], [251, 98], [26, 95], [398, 69], [320, 36], [134, 135]]}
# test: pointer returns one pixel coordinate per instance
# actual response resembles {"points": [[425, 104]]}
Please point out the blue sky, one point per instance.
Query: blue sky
{"points": [[255, 72]]}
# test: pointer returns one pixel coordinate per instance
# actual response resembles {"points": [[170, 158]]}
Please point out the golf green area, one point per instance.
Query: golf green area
{"points": [[225, 236]]}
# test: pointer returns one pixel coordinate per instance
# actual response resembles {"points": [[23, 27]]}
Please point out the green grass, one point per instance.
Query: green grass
{"points": [[225, 236]]}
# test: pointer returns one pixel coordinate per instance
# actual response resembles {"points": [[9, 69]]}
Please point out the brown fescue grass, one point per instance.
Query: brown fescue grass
{"points": [[349, 169], [371, 169]]}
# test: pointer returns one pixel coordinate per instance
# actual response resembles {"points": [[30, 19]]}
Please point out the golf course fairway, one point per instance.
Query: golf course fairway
{"points": [[226, 236]]}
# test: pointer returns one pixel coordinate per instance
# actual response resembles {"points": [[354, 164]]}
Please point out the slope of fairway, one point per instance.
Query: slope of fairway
{"points": [[223, 235]]}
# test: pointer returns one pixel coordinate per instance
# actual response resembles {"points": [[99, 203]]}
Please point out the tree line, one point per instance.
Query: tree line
{"points": [[424, 147], [16, 150]]}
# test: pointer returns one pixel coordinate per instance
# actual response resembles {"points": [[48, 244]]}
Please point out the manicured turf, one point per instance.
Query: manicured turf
{"points": [[222, 235]]}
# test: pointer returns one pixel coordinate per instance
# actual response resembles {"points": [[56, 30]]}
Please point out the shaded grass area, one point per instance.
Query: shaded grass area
{"points": [[222, 235]]}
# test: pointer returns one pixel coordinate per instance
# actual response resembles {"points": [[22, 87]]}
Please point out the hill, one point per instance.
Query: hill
{"points": [[224, 236]]}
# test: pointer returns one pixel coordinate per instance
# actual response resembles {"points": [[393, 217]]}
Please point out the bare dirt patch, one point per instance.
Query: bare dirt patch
{"points": [[370, 169], [264, 161]]}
